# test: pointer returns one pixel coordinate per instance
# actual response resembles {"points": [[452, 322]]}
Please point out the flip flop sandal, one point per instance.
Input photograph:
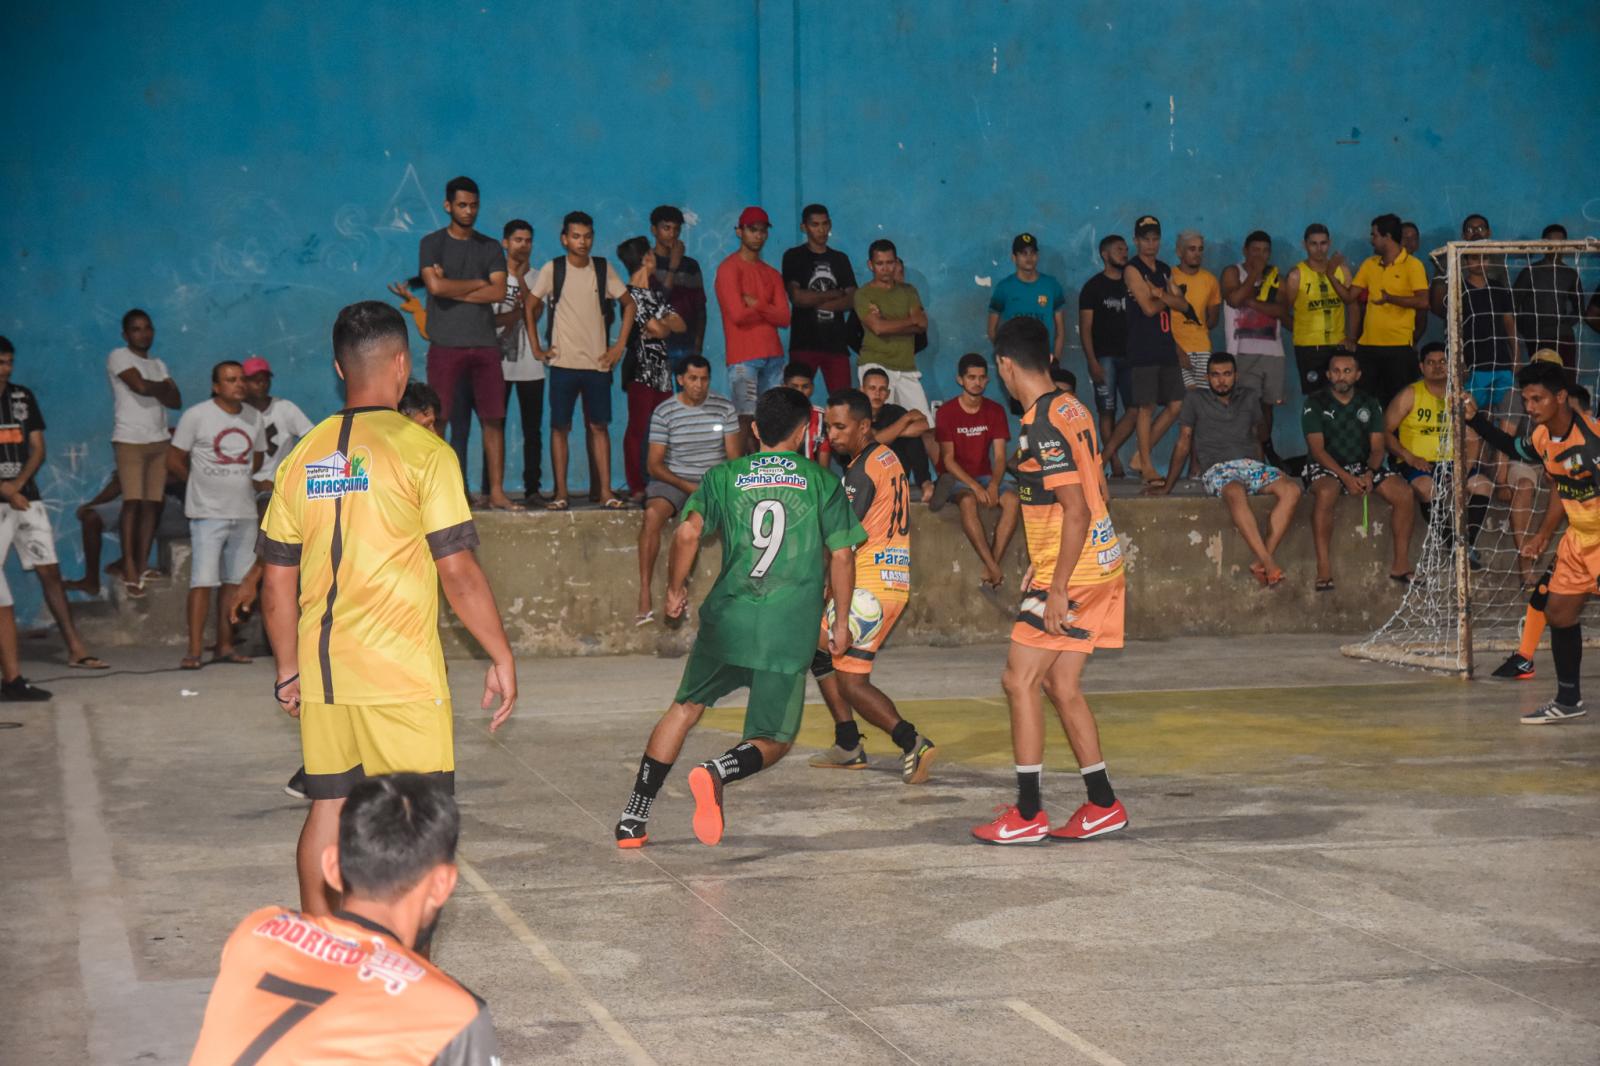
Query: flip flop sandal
{"points": [[1404, 579], [189, 662], [614, 504], [560, 503], [1324, 584], [234, 658], [644, 619], [89, 662]]}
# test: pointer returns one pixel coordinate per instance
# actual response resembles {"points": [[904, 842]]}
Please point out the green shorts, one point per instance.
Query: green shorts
{"points": [[776, 699]]}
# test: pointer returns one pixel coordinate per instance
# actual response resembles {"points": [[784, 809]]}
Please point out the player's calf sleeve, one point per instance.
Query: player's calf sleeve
{"points": [[646, 784], [1477, 510], [1566, 644], [738, 762], [1098, 785]]}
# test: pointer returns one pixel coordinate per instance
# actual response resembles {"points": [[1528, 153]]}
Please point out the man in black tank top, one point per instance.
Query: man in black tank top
{"points": [[1152, 357]]}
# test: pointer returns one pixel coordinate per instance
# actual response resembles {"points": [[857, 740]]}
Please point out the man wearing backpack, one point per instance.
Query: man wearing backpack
{"points": [[579, 291]]}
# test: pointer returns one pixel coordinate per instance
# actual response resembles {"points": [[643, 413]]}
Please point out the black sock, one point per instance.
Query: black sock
{"points": [[737, 762], [1477, 509], [904, 735], [1566, 643], [1098, 785], [1029, 801], [846, 735], [645, 786]]}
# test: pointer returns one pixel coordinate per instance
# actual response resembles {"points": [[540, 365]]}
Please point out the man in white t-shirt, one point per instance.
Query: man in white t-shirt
{"points": [[141, 393], [515, 322], [282, 422], [218, 449]]}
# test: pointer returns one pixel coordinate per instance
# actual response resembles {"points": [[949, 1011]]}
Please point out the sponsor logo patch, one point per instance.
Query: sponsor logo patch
{"points": [[337, 476]]}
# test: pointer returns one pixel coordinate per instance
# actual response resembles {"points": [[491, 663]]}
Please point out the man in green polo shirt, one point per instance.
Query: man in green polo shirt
{"points": [[1391, 287], [1344, 435]]}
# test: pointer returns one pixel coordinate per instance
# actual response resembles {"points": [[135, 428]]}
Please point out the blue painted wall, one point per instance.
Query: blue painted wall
{"points": [[243, 171]]}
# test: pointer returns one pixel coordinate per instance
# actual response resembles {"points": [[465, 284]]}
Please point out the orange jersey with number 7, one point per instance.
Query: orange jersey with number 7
{"points": [[1058, 446], [876, 486]]}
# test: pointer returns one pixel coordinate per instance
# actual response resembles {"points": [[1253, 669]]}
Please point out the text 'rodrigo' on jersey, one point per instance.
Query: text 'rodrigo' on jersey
{"points": [[1058, 446], [879, 494]]}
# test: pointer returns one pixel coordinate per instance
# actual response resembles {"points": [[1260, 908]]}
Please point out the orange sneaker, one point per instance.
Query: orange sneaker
{"points": [[706, 787], [1091, 821], [1012, 828]]}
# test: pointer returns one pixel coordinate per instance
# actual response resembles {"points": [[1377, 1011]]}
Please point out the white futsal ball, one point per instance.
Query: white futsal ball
{"points": [[866, 616]]}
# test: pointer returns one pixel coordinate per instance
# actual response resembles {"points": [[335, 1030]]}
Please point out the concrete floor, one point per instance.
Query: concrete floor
{"points": [[1329, 862]]}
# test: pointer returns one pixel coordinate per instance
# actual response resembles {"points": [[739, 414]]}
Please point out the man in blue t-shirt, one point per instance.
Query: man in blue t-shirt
{"points": [[1030, 294]]}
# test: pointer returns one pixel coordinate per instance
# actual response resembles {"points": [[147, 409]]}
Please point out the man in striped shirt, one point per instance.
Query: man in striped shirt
{"points": [[689, 434]]}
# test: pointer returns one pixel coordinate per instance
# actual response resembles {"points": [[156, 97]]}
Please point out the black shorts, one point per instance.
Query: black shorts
{"points": [[1156, 385], [1311, 363], [1315, 471]]}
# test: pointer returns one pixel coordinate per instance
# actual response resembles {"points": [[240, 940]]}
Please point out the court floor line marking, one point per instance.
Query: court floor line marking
{"points": [[545, 957], [1353, 927], [1062, 1033], [712, 907]]}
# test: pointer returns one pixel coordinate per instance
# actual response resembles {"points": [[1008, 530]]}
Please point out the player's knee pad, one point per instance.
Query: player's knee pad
{"points": [[1541, 593], [821, 664]]}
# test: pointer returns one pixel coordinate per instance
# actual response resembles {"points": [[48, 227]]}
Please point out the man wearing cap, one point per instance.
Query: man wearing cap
{"points": [[1030, 294], [754, 307], [282, 421], [1152, 353]]}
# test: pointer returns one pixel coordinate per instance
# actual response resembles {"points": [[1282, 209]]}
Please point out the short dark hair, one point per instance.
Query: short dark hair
{"points": [[1428, 349], [216, 369], [1579, 393], [419, 396], [362, 324], [666, 213], [1552, 376], [1408, 223], [576, 218], [1025, 342], [1340, 353], [812, 209], [695, 361], [136, 312], [796, 369], [779, 412], [1314, 229], [392, 831], [1222, 359], [632, 251], [1552, 229], [971, 361], [1062, 376], [516, 224], [1109, 239], [1472, 216], [882, 244], [461, 184], [871, 370], [6, 347], [1258, 236], [1388, 226], [853, 400]]}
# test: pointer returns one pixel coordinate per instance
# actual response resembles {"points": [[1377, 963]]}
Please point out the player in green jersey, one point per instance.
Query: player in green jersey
{"points": [[786, 524]]}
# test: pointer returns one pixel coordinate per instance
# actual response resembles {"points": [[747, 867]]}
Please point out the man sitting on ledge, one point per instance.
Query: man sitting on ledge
{"points": [[1220, 424]]}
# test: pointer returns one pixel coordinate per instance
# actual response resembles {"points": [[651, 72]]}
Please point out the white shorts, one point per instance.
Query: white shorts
{"points": [[905, 389], [30, 531]]}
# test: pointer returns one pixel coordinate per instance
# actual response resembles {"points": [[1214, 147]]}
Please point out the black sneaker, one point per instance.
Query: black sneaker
{"points": [[1515, 668], [18, 689], [632, 832], [296, 785]]}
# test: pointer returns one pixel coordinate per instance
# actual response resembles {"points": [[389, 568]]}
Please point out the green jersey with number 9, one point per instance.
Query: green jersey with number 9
{"points": [[779, 515]]}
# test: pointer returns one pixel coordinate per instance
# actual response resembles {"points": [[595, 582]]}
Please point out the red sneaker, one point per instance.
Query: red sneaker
{"points": [[1012, 828], [1092, 821], [706, 787]]}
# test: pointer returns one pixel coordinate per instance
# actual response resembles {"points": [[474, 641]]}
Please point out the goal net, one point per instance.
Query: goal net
{"points": [[1506, 302]]}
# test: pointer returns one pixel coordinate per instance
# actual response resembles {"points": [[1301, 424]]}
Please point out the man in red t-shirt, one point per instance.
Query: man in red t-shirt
{"points": [[972, 431]]}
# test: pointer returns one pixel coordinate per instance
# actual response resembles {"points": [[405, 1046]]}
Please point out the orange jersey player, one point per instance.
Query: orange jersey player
{"points": [[1073, 603], [880, 494], [353, 987]]}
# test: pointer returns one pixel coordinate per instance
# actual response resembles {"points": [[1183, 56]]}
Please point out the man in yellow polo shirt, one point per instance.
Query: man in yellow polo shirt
{"points": [[1391, 287], [368, 518]]}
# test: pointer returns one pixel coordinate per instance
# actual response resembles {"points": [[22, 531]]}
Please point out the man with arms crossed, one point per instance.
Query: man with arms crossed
{"points": [[880, 495], [1152, 353], [784, 521], [1103, 332], [1315, 294], [1073, 603], [141, 392], [822, 288], [356, 986], [368, 519]]}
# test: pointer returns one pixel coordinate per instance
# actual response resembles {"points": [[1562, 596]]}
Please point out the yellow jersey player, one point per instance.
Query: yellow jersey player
{"points": [[1073, 603], [879, 493], [355, 986], [368, 519], [1567, 443]]}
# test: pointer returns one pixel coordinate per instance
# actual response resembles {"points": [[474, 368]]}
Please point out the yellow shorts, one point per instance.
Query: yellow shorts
{"points": [[1577, 567], [1095, 621], [344, 744], [871, 619]]}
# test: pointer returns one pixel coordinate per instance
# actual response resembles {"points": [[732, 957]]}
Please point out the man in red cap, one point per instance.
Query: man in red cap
{"points": [[282, 421], [751, 297]]}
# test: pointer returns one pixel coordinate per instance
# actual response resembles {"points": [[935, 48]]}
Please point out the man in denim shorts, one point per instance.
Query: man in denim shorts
{"points": [[1222, 424]]}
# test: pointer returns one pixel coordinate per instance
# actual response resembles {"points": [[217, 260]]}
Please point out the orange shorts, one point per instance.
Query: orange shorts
{"points": [[1094, 620], [1577, 567], [871, 619]]}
